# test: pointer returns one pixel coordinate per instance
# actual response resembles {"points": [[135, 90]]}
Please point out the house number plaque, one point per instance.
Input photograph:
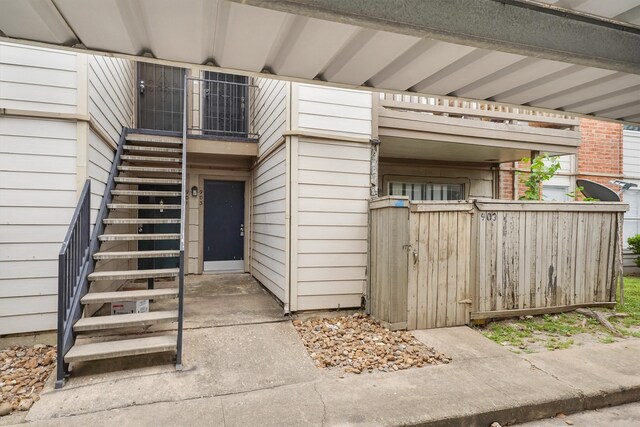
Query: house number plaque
{"points": [[489, 216]]}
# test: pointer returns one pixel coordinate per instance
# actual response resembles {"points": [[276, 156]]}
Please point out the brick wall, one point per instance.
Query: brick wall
{"points": [[600, 151], [599, 157], [506, 182]]}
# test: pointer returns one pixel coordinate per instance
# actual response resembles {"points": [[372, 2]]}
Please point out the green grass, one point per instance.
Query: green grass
{"points": [[631, 304], [554, 331]]}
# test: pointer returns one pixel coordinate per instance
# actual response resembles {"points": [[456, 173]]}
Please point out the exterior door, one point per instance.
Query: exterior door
{"points": [[223, 240], [158, 245], [160, 97], [225, 105]]}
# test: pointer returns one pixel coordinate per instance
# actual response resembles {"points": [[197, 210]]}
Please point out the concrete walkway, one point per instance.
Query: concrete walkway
{"points": [[259, 373]]}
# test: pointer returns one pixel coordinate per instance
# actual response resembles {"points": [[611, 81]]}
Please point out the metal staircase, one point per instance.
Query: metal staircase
{"points": [[147, 169]]}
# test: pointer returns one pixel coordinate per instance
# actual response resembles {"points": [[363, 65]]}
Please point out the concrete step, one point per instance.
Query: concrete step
{"points": [[158, 181], [141, 206], [145, 193], [125, 168], [134, 274], [106, 297], [150, 149], [136, 254], [130, 347], [141, 221], [100, 323], [121, 237], [156, 139], [152, 159]]}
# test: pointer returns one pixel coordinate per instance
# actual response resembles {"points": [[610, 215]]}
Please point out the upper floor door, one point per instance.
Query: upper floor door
{"points": [[225, 105], [160, 97]]}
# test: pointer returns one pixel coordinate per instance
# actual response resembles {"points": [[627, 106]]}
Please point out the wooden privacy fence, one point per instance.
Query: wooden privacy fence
{"points": [[436, 264]]}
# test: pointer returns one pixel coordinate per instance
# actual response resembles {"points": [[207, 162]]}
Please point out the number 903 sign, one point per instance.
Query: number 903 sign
{"points": [[488, 216]]}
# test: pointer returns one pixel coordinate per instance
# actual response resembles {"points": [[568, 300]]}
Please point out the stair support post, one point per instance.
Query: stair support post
{"points": [[182, 223]]}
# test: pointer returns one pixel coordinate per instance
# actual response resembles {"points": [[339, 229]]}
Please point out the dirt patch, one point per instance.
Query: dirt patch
{"points": [[359, 344], [23, 373]]}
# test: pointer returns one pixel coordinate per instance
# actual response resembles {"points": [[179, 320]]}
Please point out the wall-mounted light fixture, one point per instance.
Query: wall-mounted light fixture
{"points": [[194, 191]]}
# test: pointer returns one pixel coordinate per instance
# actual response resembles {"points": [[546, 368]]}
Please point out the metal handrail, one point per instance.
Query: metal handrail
{"points": [[69, 306], [222, 81], [73, 262], [183, 206], [238, 109]]}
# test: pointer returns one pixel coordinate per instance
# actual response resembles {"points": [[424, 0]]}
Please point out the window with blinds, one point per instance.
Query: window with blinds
{"points": [[427, 190]]}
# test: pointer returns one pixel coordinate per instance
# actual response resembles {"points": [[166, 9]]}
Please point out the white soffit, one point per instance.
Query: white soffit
{"points": [[251, 39]]}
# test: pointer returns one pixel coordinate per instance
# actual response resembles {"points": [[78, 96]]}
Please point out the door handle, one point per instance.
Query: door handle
{"points": [[141, 86], [241, 230]]}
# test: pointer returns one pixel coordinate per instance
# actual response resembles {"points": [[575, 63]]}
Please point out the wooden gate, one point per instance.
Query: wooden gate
{"points": [[439, 265], [420, 263]]}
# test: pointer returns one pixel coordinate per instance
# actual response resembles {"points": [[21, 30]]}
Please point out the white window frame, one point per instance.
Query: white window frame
{"points": [[405, 179]]}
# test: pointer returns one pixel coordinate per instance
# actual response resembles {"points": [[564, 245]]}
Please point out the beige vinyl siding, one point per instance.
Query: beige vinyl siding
{"points": [[478, 182], [110, 105], [270, 111], [268, 247], [332, 223], [111, 93], [100, 160], [37, 79], [332, 110], [37, 199]]}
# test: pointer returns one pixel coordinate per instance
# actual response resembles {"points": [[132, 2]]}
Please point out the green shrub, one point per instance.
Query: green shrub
{"points": [[542, 169], [634, 244]]}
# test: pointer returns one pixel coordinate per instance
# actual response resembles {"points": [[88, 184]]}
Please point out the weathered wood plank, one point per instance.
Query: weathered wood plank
{"points": [[522, 260], [580, 258], [521, 205], [412, 279], [452, 268], [463, 264], [443, 254], [432, 270], [480, 315], [398, 236]]}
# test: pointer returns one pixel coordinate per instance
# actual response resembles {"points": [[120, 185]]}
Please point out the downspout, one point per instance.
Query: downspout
{"points": [[374, 192]]}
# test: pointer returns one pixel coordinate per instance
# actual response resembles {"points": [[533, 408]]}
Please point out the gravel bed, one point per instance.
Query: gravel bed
{"points": [[359, 344], [23, 372]]}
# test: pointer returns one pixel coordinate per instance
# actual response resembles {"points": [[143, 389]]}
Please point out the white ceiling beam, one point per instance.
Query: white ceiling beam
{"points": [[513, 26]]}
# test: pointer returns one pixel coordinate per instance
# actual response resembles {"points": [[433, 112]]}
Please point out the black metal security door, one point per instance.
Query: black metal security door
{"points": [[158, 245], [223, 243], [160, 97], [225, 105]]}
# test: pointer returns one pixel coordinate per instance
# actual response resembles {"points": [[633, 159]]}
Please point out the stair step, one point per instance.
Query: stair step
{"points": [[139, 137], [149, 149], [134, 274], [141, 206], [136, 254], [135, 180], [111, 349], [141, 221], [145, 193], [152, 159], [106, 297], [149, 169], [121, 237], [101, 323]]}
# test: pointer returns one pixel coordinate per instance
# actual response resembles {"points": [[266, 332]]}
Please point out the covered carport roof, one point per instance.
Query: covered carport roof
{"points": [[579, 56]]}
